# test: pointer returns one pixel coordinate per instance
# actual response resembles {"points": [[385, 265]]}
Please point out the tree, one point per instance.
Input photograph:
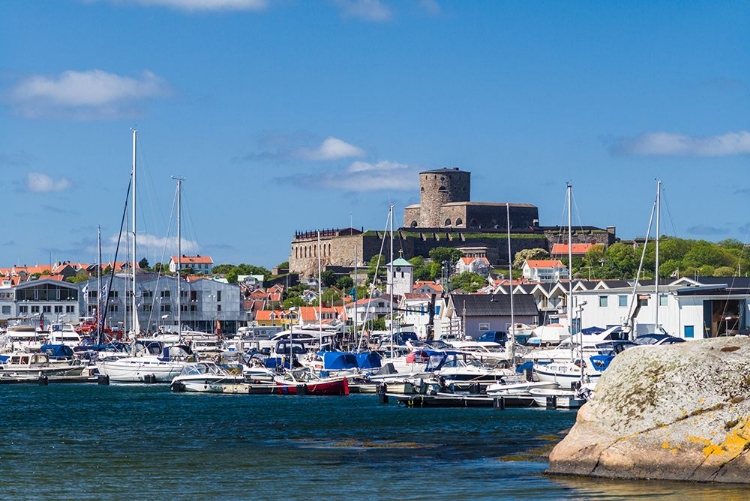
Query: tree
{"points": [[526, 254], [377, 262], [468, 281], [293, 301], [345, 283], [327, 278], [440, 254], [623, 258], [80, 276], [143, 264]]}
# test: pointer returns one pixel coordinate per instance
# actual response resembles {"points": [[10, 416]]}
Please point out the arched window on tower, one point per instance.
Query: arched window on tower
{"points": [[473, 223], [413, 224], [442, 188], [459, 222], [447, 222]]}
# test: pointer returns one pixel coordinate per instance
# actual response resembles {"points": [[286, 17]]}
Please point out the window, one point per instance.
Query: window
{"points": [[459, 221], [70, 309], [6, 310], [447, 222], [622, 300], [23, 309], [218, 295], [663, 299], [58, 309], [689, 331], [114, 307], [603, 301], [146, 307], [166, 307], [165, 293], [47, 309], [218, 307], [34, 309]]}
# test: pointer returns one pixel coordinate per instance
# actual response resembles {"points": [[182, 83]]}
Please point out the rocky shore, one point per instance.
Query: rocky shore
{"points": [[679, 412]]}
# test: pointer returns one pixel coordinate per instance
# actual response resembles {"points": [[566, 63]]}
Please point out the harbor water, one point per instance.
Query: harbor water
{"points": [[68, 441]]}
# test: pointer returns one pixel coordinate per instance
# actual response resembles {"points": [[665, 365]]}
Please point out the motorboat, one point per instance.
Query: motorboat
{"points": [[305, 382], [569, 374], [37, 364], [557, 398], [206, 377]]}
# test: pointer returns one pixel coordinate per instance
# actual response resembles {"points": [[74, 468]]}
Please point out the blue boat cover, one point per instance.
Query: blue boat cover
{"points": [[369, 360], [339, 360], [57, 351]]}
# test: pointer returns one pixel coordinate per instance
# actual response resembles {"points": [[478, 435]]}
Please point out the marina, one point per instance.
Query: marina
{"points": [[92, 441]]}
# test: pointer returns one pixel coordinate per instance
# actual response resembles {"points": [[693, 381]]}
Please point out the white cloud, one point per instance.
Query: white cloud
{"points": [[669, 144], [430, 7], [367, 10], [36, 182], [201, 5], [331, 149], [152, 244], [363, 176], [84, 94]]}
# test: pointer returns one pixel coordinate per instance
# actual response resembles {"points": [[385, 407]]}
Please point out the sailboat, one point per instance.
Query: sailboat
{"points": [[153, 362], [575, 372]]}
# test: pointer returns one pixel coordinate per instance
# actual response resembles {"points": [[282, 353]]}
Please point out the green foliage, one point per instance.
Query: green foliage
{"points": [[81, 276], [377, 263], [143, 264], [526, 254], [327, 278], [677, 258], [422, 268], [293, 301], [230, 270], [468, 281], [440, 254], [345, 283], [283, 266]]}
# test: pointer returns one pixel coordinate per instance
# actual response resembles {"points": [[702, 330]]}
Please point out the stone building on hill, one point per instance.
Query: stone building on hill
{"points": [[445, 217]]}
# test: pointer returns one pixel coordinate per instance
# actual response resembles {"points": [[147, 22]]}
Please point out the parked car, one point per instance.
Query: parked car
{"points": [[499, 337]]}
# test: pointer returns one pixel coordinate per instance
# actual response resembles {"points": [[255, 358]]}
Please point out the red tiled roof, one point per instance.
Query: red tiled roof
{"points": [[193, 259], [544, 263], [576, 249]]}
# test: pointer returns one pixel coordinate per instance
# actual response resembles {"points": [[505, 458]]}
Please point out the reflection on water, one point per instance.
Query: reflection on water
{"points": [[143, 442], [599, 488]]}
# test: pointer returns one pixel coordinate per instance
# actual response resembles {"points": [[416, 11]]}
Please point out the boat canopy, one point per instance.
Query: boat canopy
{"points": [[339, 360], [369, 360], [57, 351]]}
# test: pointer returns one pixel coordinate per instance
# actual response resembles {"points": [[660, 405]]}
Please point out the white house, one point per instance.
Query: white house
{"points": [[480, 265], [544, 270], [687, 308], [199, 264]]}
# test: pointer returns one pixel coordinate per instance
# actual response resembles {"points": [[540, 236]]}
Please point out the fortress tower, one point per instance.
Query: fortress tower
{"points": [[437, 188]]}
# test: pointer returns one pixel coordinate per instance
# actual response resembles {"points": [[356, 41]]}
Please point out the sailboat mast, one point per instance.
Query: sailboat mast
{"points": [[656, 271], [134, 304], [320, 297], [179, 254], [99, 316], [512, 329], [390, 274], [570, 268]]}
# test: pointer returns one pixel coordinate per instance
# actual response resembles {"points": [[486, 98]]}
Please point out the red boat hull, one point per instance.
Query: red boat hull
{"points": [[334, 387]]}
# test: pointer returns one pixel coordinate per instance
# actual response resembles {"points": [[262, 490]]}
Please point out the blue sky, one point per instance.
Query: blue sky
{"points": [[287, 115]]}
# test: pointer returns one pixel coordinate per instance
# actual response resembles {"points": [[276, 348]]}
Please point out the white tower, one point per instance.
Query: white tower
{"points": [[402, 280]]}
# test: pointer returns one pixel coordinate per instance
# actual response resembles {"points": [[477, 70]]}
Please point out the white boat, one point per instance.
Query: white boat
{"points": [[557, 398], [21, 338], [63, 333], [205, 377], [144, 366], [37, 364]]}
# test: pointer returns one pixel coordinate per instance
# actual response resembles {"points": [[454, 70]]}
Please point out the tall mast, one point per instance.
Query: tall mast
{"points": [[99, 316], [134, 305], [512, 332], [656, 272], [179, 253], [570, 268], [390, 274], [320, 297]]}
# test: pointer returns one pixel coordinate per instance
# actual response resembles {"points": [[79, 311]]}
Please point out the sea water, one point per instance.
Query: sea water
{"points": [[134, 442]]}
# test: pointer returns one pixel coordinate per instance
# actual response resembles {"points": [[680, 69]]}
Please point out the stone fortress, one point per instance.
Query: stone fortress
{"points": [[445, 217]]}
